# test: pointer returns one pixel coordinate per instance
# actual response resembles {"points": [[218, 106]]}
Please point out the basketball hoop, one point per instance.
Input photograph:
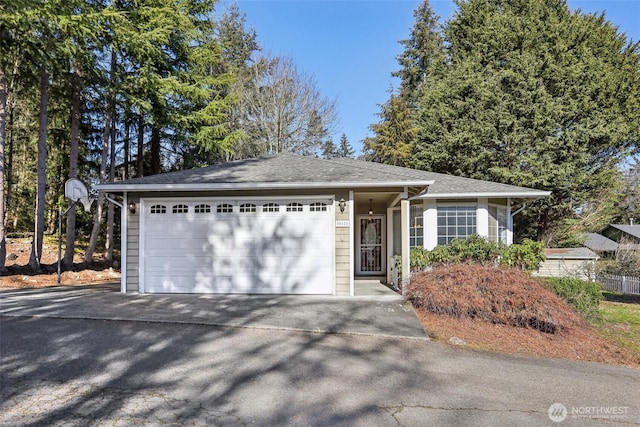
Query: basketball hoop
{"points": [[75, 191]]}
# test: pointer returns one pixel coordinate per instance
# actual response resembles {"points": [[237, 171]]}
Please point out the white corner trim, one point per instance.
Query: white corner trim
{"points": [[142, 206], [124, 219], [352, 289]]}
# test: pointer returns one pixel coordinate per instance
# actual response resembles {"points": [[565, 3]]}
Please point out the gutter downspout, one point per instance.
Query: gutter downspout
{"points": [[123, 239], [524, 205]]}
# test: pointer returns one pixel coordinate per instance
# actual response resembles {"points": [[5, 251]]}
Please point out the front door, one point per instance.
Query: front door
{"points": [[370, 259]]}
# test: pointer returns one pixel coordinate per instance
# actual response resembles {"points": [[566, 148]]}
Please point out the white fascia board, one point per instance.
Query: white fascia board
{"points": [[525, 195], [256, 185]]}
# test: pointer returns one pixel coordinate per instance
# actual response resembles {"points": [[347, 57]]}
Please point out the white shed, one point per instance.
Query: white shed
{"points": [[579, 263]]}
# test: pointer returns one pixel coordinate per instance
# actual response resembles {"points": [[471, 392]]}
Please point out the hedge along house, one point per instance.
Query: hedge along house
{"points": [[288, 224]]}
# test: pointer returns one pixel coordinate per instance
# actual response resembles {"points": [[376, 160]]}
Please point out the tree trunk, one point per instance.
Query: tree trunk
{"points": [[3, 127], [9, 144], [155, 149], [112, 175], [126, 142], [140, 158], [73, 166], [112, 158], [156, 133], [41, 186], [97, 219]]}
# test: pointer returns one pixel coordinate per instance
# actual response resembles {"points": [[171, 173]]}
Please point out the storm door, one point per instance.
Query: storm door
{"points": [[370, 257]]}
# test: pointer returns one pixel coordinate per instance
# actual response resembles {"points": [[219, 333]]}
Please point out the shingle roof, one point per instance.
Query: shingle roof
{"points": [[292, 171], [632, 230], [599, 243], [446, 185], [570, 253]]}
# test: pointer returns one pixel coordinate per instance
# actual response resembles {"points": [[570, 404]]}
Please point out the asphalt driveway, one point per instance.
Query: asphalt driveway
{"points": [[70, 370], [373, 315]]}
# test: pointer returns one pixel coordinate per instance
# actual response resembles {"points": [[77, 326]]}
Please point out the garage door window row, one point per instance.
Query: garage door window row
{"points": [[243, 208]]}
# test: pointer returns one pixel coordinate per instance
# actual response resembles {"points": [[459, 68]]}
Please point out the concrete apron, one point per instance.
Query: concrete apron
{"points": [[379, 315]]}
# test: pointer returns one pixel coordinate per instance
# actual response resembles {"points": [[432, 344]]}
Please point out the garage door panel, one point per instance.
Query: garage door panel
{"points": [[178, 245], [239, 252], [197, 284], [189, 265]]}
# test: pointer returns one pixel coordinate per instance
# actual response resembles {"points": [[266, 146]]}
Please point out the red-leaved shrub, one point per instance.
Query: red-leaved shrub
{"points": [[493, 294]]}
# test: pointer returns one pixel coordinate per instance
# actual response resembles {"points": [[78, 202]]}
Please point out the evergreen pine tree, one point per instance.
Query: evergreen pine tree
{"points": [[422, 60], [329, 150], [534, 95], [345, 149]]}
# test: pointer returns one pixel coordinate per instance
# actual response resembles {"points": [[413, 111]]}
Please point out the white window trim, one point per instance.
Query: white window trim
{"points": [[507, 225], [430, 219], [456, 205], [417, 207]]}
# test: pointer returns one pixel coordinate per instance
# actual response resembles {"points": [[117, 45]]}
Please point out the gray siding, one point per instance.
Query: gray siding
{"points": [[343, 251], [133, 245]]}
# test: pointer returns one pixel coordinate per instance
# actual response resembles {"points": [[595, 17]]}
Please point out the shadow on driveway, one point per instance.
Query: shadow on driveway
{"points": [[373, 315]]}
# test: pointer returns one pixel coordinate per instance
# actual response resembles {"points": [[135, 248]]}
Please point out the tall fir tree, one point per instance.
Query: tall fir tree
{"points": [[329, 150], [395, 134], [534, 95], [345, 150], [424, 54], [422, 61]]}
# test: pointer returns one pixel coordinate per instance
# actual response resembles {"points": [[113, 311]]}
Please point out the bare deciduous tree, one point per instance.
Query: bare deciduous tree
{"points": [[281, 110]]}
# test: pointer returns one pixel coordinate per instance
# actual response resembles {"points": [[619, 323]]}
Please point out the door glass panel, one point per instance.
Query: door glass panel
{"points": [[371, 245]]}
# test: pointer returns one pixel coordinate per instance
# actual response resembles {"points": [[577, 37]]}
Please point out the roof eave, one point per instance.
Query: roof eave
{"points": [[114, 187], [491, 194]]}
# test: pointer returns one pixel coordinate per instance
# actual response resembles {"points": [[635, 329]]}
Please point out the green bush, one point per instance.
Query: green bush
{"points": [[475, 248], [418, 259], [582, 295], [526, 256]]}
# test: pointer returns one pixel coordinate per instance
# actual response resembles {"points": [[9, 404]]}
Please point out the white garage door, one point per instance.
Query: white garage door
{"points": [[237, 246]]}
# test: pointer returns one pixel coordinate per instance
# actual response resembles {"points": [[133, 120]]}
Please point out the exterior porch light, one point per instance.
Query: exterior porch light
{"points": [[342, 203], [132, 208], [370, 207]]}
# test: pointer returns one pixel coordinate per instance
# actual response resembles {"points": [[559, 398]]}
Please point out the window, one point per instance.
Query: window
{"points": [[202, 208], [498, 224], [318, 207], [416, 230], [455, 222], [158, 209], [294, 207], [271, 207], [247, 207], [224, 208], [178, 209]]}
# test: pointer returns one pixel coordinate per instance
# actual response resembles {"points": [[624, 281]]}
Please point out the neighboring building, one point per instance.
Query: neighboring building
{"points": [[289, 224], [626, 236], [579, 263], [622, 233], [603, 246]]}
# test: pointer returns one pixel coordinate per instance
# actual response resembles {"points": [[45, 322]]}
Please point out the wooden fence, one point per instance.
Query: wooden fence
{"points": [[624, 284]]}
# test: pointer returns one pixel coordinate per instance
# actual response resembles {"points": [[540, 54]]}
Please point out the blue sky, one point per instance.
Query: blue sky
{"points": [[350, 46]]}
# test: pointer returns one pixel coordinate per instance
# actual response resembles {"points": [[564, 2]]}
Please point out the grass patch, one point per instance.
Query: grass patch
{"points": [[620, 320]]}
